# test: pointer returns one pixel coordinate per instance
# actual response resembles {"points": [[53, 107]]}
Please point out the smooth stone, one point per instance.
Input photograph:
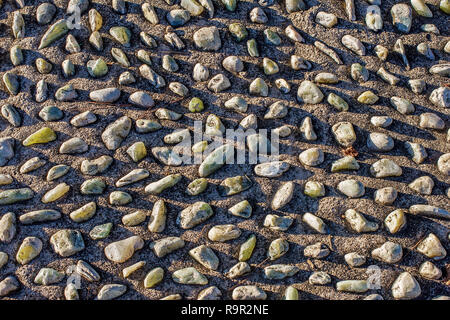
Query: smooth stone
{"points": [[48, 276], [395, 221], [83, 119], [430, 120], [344, 133], [385, 196], [443, 164], [354, 45], [380, 142], [123, 250], [45, 13], [317, 251], [381, 121], [7, 227], [211, 293], [283, 195], [119, 198], [101, 231], [154, 277], [309, 93], [111, 291], [189, 275], [74, 145], [423, 185], [116, 132], [441, 97], [326, 19], [315, 223], [402, 17], [84, 213], [319, 278], [389, 252], [67, 242], [219, 83], [205, 256], [134, 219], [12, 196], [8, 285], [233, 64], [351, 188], [30, 248], [358, 222], [429, 211], [271, 169], [402, 105], [163, 247], [405, 287], [418, 86], [277, 223], [312, 157], [12, 115], [194, 214], [200, 72], [6, 150], [432, 248], [248, 293], [96, 166], [38, 216], [132, 177], [207, 38], [223, 233], [178, 17], [259, 87], [385, 168], [277, 248], [429, 271], [280, 271], [357, 286], [108, 95], [354, 259], [345, 163], [242, 209], [146, 126]]}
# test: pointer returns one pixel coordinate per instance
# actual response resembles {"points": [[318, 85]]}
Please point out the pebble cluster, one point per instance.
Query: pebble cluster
{"points": [[90, 186]]}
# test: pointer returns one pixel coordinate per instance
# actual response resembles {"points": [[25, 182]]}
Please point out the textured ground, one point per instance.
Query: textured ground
{"points": [[330, 207]]}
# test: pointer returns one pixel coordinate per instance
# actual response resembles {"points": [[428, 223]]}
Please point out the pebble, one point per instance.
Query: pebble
{"points": [[423, 185], [249, 292], [381, 121], [430, 120], [358, 222], [8, 285], [351, 188], [277, 248], [441, 97], [207, 38], [219, 83], [429, 271], [319, 278], [111, 291], [432, 248], [309, 93], [344, 133], [315, 223], [238, 270], [194, 214], [10, 113], [354, 259], [405, 287], [163, 247], [205, 256], [67, 242], [7, 227], [38, 216], [116, 132], [283, 195], [353, 44], [30, 248], [389, 252], [385, 168], [48, 276], [123, 250], [402, 17], [357, 286], [280, 271], [380, 142], [326, 19], [189, 275], [223, 233], [154, 277], [277, 223], [317, 251], [395, 221]]}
